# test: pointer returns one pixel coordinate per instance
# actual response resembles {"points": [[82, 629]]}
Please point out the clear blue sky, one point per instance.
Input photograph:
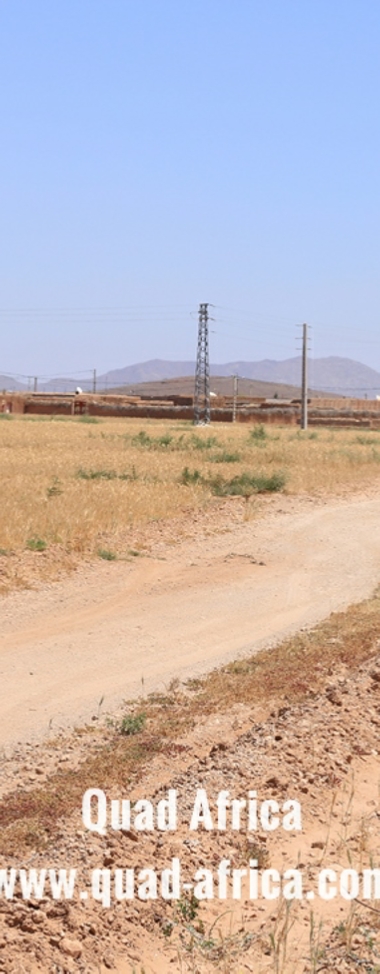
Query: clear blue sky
{"points": [[159, 153]]}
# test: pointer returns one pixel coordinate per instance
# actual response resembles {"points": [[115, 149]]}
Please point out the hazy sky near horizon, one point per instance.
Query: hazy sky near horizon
{"points": [[159, 153]]}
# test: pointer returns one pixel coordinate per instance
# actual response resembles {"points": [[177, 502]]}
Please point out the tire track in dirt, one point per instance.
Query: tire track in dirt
{"points": [[97, 636]]}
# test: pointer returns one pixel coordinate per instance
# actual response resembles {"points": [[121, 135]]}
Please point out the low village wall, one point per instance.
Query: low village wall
{"points": [[345, 413]]}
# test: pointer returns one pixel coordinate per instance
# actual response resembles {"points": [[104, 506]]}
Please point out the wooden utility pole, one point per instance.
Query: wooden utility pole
{"points": [[234, 402], [304, 379], [94, 381]]}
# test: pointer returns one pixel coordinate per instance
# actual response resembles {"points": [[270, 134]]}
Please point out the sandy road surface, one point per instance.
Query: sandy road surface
{"points": [[98, 633]]}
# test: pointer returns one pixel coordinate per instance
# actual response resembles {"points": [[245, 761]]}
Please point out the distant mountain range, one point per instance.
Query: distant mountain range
{"points": [[10, 385], [336, 375]]}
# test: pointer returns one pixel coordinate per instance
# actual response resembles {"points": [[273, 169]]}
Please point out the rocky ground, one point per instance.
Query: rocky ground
{"points": [[322, 752]]}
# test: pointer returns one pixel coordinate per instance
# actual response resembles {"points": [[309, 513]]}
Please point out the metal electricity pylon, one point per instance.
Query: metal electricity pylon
{"points": [[202, 414]]}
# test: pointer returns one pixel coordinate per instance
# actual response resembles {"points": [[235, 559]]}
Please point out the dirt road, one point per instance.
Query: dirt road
{"points": [[105, 634]]}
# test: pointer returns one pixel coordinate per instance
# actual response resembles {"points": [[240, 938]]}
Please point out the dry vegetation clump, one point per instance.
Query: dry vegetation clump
{"points": [[82, 487]]}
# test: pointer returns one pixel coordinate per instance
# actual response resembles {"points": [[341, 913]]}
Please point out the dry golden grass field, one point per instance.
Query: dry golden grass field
{"points": [[81, 486]]}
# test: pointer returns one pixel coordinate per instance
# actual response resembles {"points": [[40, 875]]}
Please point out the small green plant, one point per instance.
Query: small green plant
{"points": [[132, 724], [190, 477], [142, 439], [226, 457], [317, 952], [3, 552], [188, 907], [164, 440], [6, 416], [278, 937], [106, 554], [150, 442], [55, 488], [105, 475], [247, 484], [242, 485], [365, 440], [256, 850], [87, 419], [198, 443], [96, 474], [36, 544], [258, 434]]}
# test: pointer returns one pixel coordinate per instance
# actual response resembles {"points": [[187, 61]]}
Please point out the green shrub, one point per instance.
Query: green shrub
{"points": [[243, 485], [365, 440], [258, 434], [226, 457], [247, 484], [36, 544], [188, 907], [106, 554], [105, 475], [96, 474], [151, 442], [55, 488], [164, 440], [142, 439], [132, 724], [191, 477], [198, 443]]}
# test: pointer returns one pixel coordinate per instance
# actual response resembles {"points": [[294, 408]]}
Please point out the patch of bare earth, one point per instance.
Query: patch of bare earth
{"points": [[300, 721]]}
